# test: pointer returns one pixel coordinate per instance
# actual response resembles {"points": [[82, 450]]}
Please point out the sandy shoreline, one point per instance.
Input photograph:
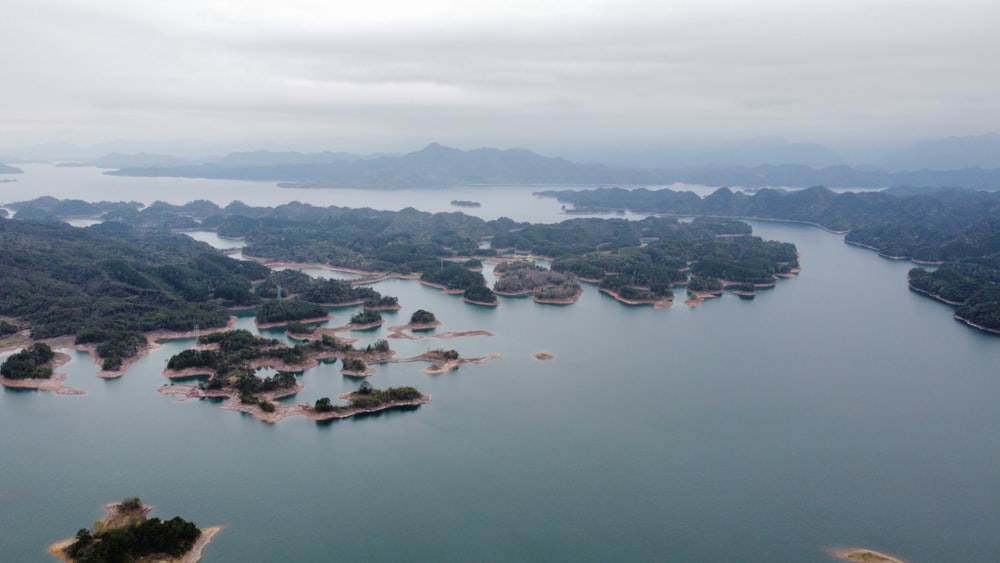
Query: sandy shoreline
{"points": [[277, 324], [400, 331], [933, 295], [446, 366], [53, 384], [443, 288], [860, 554], [193, 555], [281, 411], [976, 326], [481, 303], [564, 301], [656, 303], [369, 371], [696, 298]]}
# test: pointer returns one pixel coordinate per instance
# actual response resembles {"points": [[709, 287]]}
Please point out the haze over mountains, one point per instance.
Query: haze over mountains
{"points": [[971, 162]]}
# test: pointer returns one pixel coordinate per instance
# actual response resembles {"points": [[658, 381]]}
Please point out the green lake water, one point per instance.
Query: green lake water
{"points": [[838, 409]]}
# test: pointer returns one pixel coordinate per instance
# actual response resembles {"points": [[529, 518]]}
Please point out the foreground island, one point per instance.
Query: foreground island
{"points": [[127, 534]]}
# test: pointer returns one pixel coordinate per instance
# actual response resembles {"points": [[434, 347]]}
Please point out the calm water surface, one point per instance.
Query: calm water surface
{"points": [[838, 409]]}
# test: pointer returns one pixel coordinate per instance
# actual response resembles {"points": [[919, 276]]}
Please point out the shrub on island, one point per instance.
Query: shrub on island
{"points": [[295, 327], [7, 329], [355, 365], [30, 363], [366, 317], [480, 294], [422, 317]]}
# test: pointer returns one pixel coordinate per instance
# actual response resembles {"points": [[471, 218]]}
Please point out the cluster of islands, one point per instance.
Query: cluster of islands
{"points": [[118, 287]]}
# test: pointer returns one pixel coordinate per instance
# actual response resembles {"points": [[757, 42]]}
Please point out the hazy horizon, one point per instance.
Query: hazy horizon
{"points": [[552, 77]]}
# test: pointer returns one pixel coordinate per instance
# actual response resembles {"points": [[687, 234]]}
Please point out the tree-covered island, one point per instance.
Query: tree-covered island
{"points": [[367, 399], [522, 277], [420, 320], [127, 534], [34, 367]]}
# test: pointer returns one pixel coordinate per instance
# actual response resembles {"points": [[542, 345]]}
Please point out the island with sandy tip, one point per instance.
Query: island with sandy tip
{"points": [[128, 534], [658, 302], [864, 556], [34, 367]]}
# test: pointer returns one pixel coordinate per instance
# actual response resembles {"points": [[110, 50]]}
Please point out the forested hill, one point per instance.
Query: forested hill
{"points": [[960, 229], [61, 280]]}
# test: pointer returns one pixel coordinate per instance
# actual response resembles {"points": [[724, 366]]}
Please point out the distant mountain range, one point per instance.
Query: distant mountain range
{"points": [[4, 169], [432, 166], [440, 166]]}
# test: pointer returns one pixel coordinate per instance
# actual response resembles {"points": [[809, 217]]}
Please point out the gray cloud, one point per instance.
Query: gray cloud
{"points": [[525, 73]]}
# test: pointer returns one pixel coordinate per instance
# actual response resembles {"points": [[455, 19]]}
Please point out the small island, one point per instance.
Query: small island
{"points": [[544, 356], [421, 320], [366, 319], [34, 368], [127, 534], [366, 399], [465, 203], [356, 367], [865, 556], [522, 277]]}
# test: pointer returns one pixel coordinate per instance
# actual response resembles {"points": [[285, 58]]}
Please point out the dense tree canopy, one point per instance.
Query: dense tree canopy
{"points": [[32, 362]]}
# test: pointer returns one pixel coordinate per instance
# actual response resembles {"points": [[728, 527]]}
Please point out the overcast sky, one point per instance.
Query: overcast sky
{"points": [[373, 74]]}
